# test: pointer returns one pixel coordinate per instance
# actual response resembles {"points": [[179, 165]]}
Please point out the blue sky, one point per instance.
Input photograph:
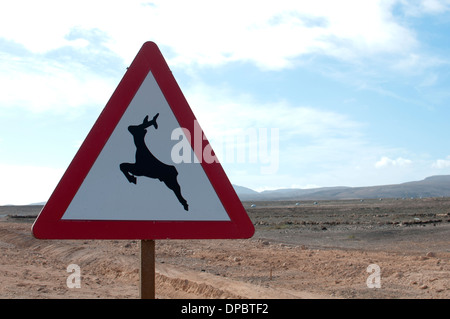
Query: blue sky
{"points": [[344, 93]]}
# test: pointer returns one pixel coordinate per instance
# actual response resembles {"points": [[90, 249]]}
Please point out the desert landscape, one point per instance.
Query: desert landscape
{"points": [[307, 249]]}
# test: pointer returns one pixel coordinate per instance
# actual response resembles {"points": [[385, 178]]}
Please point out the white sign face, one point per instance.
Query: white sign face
{"points": [[108, 194]]}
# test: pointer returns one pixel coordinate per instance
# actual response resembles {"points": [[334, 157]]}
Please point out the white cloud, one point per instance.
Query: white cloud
{"points": [[441, 163], [421, 7], [270, 34], [43, 85], [387, 162], [234, 113], [42, 26], [22, 185]]}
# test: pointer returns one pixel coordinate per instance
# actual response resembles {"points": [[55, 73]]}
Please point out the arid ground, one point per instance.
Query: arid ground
{"points": [[299, 250]]}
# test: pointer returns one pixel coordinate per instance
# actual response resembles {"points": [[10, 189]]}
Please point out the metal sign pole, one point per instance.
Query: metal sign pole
{"points": [[147, 271]]}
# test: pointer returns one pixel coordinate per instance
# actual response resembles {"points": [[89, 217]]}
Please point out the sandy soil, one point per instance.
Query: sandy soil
{"points": [[302, 250]]}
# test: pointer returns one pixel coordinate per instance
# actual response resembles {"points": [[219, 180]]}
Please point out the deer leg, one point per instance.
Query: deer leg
{"points": [[172, 183], [126, 169]]}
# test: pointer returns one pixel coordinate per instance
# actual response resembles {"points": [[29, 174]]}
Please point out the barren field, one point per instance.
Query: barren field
{"points": [[300, 250]]}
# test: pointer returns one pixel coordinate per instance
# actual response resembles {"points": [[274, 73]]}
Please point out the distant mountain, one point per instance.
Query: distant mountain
{"points": [[240, 190], [434, 186], [37, 204]]}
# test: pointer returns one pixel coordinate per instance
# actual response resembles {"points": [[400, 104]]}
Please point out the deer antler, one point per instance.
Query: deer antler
{"points": [[146, 123]]}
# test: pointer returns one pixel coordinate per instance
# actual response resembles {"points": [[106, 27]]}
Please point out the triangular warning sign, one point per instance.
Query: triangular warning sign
{"points": [[145, 170]]}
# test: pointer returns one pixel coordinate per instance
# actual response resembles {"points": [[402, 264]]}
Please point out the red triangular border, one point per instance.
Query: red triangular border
{"points": [[49, 224]]}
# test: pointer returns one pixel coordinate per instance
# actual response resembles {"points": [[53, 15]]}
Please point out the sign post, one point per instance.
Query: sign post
{"points": [[147, 270], [144, 172]]}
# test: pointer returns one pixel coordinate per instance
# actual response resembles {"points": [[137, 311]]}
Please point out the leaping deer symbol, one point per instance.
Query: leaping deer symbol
{"points": [[147, 164]]}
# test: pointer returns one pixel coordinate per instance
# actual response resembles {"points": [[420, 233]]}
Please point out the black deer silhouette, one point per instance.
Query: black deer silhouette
{"points": [[147, 164]]}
